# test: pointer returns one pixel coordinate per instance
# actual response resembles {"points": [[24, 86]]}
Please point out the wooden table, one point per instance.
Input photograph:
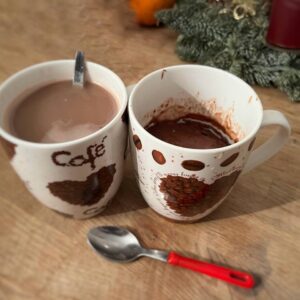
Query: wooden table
{"points": [[44, 255]]}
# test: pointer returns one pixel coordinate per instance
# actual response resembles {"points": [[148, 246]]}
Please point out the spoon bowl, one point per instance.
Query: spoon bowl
{"points": [[115, 243]]}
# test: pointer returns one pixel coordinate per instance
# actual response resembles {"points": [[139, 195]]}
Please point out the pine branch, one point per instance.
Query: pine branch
{"points": [[218, 40]]}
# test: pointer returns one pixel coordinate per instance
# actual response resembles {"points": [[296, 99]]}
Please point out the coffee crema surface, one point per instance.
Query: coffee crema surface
{"points": [[60, 112]]}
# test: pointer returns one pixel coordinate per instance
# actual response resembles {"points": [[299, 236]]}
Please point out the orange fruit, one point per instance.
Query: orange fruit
{"points": [[146, 9]]}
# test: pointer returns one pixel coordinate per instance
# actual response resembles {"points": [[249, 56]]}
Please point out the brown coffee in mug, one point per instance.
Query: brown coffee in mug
{"points": [[61, 112]]}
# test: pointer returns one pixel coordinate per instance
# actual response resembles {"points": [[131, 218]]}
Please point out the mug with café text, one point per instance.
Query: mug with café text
{"points": [[185, 184], [78, 177]]}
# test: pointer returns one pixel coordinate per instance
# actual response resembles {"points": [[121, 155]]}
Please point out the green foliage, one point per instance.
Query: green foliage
{"points": [[208, 37]]}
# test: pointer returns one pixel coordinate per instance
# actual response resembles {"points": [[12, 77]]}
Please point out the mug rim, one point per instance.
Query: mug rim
{"points": [[192, 150], [123, 105]]}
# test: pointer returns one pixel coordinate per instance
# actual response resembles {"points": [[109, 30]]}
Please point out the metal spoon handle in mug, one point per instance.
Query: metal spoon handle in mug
{"points": [[235, 277], [78, 79]]}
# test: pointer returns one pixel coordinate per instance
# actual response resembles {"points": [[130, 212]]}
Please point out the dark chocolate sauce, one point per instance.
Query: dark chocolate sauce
{"points": [[191, 131]]}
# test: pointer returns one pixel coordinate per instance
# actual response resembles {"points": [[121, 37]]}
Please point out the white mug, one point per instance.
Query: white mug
{"points": [[185, 184], [77, 178]]}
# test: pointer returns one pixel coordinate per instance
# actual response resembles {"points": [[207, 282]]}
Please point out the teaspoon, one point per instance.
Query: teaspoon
{"points": [[119, 244]]}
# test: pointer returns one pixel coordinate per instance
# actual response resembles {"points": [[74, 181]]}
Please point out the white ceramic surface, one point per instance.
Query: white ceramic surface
{"points": [[79, 177], [187, 184]]}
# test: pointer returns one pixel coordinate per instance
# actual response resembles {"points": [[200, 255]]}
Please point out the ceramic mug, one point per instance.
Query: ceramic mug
{"points": [[185, 184], [77, 178]]}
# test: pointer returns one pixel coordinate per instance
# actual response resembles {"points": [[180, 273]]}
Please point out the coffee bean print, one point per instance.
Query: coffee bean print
{"points": [[137, 142], [229, 160], [190, 196], [158, 157], [251, 144], [193, 165], [87, 192], [9, 148]]}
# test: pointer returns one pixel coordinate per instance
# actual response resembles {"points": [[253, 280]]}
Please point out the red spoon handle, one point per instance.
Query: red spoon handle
{"points": [[239, 278]]}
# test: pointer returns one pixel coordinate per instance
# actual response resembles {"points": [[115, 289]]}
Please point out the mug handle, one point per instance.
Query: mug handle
{"points": [[273, 144]]}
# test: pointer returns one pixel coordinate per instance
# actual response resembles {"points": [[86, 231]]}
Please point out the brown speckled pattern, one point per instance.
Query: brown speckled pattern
{"points": [[190, 196]]}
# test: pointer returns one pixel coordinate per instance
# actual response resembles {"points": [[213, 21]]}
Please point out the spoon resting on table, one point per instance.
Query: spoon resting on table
{"points": [[120, 245]]}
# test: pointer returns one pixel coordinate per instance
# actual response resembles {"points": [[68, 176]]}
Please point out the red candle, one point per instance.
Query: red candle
{"points": [[284, 28]]}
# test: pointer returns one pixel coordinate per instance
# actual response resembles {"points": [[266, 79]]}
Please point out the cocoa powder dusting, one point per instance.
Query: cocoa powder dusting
{"points": [[86, 192], [190, 196], [162, 74]]}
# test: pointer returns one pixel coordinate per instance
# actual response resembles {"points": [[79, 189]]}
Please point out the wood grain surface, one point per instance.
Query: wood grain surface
{"points": [[44, 255]]}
